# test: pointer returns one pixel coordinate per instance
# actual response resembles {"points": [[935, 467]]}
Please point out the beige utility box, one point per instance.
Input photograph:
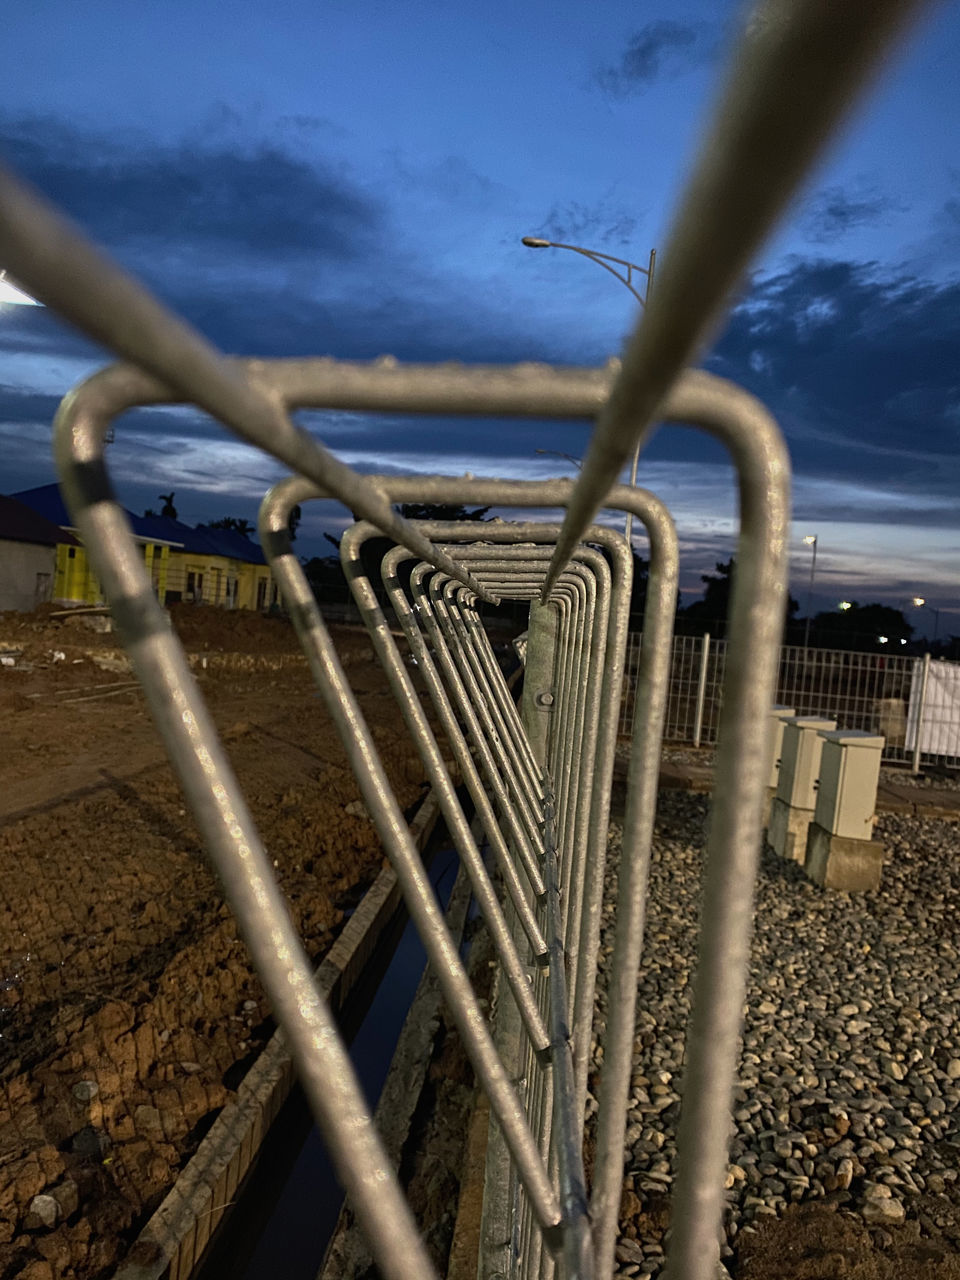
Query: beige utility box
{"points": [[800, 760], [778, 715], [847, 791]]}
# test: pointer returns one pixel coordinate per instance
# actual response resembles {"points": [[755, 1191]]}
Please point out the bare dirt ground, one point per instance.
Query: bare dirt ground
{"points": [[128, 1009]]}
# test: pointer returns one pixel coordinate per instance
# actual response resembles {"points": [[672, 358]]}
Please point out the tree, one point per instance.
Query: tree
{"points": [[440, 511], [293, 523], [711, 613], [169, 511], [150, 514], [861, 627], [239, 524], [638, 594]]}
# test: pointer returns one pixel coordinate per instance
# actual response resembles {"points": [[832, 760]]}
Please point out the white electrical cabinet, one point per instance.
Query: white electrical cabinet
{"points": [[777, 717], [847, 790], [800, 760]]}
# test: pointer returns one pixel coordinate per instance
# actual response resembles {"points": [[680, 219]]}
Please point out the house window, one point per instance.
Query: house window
{"points": [[194, 586], [262, 593], [71, 552]]}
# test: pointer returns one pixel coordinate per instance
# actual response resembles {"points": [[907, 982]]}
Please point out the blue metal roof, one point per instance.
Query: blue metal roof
{"points": [[47, 501]]}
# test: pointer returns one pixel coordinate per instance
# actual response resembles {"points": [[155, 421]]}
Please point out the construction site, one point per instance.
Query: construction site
{"points": [[479, 926]]}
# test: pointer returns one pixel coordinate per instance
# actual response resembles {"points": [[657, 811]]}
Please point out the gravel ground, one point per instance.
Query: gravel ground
{"points": [[932, 776], [940, 778], [850, 1079]]}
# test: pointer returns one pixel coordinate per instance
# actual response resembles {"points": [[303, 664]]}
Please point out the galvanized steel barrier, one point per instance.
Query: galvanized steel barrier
{"points": [[539, 779]]}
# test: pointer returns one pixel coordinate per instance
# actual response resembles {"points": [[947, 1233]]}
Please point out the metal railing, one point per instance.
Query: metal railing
{"points": [[913, 702], [539, 780]]}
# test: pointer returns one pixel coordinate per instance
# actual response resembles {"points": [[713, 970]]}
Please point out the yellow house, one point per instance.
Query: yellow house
{"points": [[205, 566], [76, 583]]}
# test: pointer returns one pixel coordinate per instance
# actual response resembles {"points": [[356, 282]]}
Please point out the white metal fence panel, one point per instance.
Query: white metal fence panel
{"points": [[881, 693]]}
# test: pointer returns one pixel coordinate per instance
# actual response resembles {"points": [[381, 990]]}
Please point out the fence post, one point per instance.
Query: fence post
{"points": [[701, 689], [923, 698], [538, 678]]}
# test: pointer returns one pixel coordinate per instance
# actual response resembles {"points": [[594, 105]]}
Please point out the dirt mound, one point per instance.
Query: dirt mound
{"points": [[204, 628], [128, 1008], [825, 1242]]}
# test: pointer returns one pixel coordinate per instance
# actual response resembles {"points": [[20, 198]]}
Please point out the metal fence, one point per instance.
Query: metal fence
{"points": [[539, 780], [913, 702]]}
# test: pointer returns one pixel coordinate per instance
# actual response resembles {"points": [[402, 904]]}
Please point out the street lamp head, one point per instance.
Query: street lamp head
{"points": [[918, 602], [535, 242], [883, 639], [810, 539], [844, 605]]}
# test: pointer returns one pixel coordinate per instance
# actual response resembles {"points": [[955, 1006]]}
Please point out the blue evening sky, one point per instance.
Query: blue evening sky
{"points": [[353, 178]]}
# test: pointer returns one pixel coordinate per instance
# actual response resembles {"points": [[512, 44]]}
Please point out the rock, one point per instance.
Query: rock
{"points": [[85, 1090], [884, 1212], [629, 1251], [67, 1197], [191, 1068], [953, 1069], [147, 1121], [43, 1214], [844, 1173]]}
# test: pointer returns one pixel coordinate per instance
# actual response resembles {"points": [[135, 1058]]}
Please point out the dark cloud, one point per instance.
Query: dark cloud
{"points": [[258, 200], [662, 47], [834, 211], [604, 224], [452, 180], [862, 368]]}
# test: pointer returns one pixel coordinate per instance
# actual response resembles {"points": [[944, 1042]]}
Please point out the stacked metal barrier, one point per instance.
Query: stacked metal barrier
{"points": [[539, 780]]}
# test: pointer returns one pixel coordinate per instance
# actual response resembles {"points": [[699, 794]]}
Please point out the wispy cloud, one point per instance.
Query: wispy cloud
{"points": [[663, 47], [604, 224], [830, 213]]}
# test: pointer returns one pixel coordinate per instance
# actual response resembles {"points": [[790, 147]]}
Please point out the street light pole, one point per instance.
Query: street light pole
{"points": [[555, 453], [811, 541], [604, 260]]}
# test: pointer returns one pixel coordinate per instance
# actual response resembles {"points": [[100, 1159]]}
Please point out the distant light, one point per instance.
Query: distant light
{"points": [[535, 242], [810, 539], [902, 641], [844, 605], [919, 601], [883, 639], [10, 293]]}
